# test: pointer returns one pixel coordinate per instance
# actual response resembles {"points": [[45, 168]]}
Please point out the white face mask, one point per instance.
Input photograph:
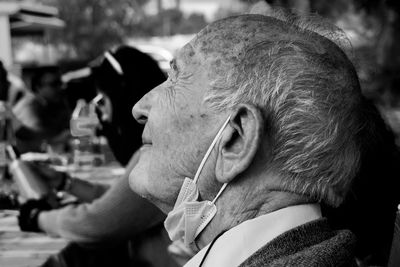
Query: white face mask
{"points": [[189, 216]]}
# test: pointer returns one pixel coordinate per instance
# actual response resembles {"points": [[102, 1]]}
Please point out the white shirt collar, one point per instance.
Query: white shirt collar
{"points": [[239, 243]]}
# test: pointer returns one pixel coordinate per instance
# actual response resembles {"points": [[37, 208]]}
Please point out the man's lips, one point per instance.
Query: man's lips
{"points": [[146, 142], [145, 146]]}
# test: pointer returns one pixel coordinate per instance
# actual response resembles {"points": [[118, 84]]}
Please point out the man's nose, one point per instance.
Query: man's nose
{"points": [[141, 109]]}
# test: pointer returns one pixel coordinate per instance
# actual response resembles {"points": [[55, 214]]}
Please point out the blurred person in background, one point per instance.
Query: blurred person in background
{"points": [[44, 114], [123, 79], [108, 217]]}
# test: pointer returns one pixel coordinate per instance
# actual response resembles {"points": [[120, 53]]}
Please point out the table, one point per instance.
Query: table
{"points": [[22, 249]]}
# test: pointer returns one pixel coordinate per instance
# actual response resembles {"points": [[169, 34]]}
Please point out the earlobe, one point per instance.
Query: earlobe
{"points": [[239, 143]]}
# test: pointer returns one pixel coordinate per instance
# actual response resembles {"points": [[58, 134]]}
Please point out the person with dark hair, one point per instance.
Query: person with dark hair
{"points": [[44, 114], [123, 78], [108, 215]]}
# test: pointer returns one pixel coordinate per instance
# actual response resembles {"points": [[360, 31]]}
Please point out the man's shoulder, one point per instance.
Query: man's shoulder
{"points": [[311, 244]]}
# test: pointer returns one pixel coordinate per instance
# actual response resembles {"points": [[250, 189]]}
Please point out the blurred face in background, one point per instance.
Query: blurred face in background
{"points": [[49, 87]]}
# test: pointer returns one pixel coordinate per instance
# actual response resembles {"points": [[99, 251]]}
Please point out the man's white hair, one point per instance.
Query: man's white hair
{"points": [[309, 94]]}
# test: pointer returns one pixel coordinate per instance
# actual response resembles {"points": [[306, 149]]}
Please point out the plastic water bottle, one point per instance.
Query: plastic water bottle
{"points": [[6, 138], [83, 125]]}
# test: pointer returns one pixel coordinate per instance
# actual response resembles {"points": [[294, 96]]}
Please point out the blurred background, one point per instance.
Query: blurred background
{"points": [[69, 34], [65, 37], [70, 71]]}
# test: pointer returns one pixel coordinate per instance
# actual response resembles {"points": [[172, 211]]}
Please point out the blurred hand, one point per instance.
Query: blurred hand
{"points": [[52, 177], [29, 213]]}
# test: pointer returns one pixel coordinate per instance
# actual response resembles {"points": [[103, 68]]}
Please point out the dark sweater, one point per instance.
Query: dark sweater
{"points": [[311, 244]]}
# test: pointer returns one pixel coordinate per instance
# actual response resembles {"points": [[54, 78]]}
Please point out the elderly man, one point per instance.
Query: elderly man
{"points": [[257, 124]]}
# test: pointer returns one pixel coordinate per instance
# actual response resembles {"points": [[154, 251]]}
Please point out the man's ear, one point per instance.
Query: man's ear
{"points": [[239, 143]]}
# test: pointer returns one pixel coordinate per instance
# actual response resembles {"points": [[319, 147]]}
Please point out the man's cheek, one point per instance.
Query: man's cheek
{"points": [[170, 189]]}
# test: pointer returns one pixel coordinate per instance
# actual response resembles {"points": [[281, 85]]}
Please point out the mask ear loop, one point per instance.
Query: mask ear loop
{"points": [[196, 177], [219, 193]]}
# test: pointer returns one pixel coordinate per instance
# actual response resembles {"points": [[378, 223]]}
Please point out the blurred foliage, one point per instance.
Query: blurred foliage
{"points": [[93, 26], [168, 22], [375, 26]]}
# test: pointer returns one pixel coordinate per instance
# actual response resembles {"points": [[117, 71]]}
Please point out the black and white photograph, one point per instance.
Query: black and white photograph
{"points": [[199, 133]]}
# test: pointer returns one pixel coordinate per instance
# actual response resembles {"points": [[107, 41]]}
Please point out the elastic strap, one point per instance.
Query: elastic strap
{"points": [[196, 177], [219, 193]]}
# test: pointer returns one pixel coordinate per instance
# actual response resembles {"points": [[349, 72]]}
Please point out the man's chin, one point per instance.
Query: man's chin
{"points": [[138, 184]]}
